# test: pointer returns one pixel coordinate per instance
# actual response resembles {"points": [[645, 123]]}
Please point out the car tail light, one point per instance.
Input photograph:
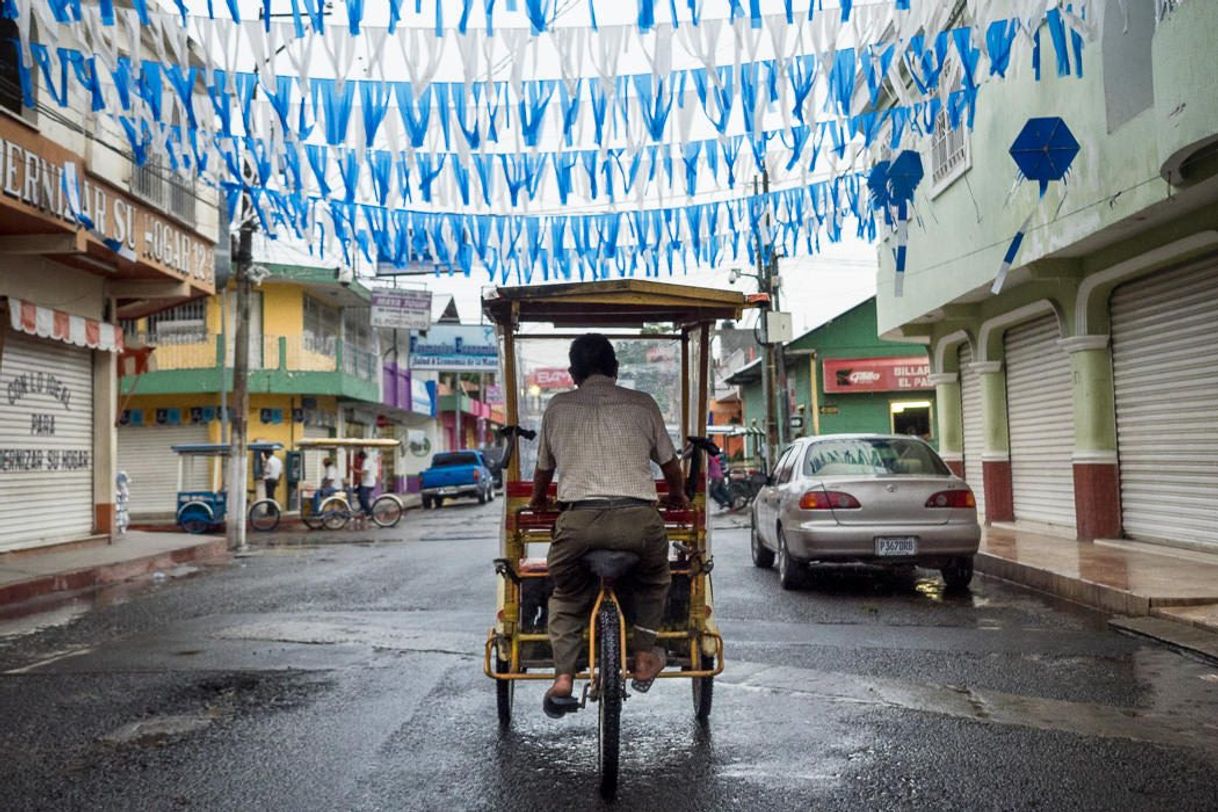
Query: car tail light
{"points": [[477, 475], [828, 500], [952, 499]]}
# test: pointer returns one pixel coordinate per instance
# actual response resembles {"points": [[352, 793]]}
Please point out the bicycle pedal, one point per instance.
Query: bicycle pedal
{"points": [[590, 693]]}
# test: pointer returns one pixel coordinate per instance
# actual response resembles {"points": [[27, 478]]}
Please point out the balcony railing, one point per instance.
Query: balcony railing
{"points": [[288, 353]]}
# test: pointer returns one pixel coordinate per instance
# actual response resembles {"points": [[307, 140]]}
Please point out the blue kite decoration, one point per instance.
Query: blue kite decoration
{"points": [[1044, 150], [903, 176]]}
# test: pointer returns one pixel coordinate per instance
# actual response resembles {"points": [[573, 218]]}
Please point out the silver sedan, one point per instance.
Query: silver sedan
{"points": [[871, 498]]}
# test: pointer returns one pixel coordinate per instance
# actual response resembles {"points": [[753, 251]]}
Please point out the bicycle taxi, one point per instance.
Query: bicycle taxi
{"points": [[334, 511], [200, 510], [662, 333]]}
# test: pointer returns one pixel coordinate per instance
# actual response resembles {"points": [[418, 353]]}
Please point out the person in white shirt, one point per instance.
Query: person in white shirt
{"points": [[329, 483], [366, 467], [272, 470]]}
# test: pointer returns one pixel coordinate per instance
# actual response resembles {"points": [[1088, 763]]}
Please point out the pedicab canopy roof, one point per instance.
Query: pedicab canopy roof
{"points": [[616, 303], [348, 442], [220, 449]]}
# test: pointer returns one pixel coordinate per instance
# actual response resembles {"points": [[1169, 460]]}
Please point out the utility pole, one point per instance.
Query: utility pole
{"points": [[772, 375], [238, 460], [458, 429]]}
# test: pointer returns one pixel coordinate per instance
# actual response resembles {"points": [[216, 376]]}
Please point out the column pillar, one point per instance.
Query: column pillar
{"points": [[996, 460], [105, 440], [950, 420], [1097, 491]]}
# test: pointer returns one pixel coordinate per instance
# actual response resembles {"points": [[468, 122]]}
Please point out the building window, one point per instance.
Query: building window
{"points": [[950, 156], [11, 98], [322, 327], [155, 184], [184, 324], [357, 328]]}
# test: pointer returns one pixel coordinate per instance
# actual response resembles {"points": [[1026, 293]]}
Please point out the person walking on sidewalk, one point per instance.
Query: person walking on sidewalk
{"points": [[365, 473], [601, 440]]}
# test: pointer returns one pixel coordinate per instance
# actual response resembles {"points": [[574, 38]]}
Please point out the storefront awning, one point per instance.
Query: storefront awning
{"points": [[46, 322]]}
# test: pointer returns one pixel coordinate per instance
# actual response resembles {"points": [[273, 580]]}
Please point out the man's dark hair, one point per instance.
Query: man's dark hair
{"points": [[592, 354]]}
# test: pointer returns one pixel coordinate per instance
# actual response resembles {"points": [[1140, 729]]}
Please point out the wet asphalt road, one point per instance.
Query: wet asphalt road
{"points": [[349, 676]]}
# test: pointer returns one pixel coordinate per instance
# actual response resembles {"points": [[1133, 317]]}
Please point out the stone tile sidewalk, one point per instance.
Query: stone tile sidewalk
{"points": [[1126, 578], [30, 574]]}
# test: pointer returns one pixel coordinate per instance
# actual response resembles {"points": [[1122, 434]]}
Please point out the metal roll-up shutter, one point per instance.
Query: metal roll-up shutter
{"points": [[144, 452], [1165, 371], [974, 428], [1040, 411], [46, 442], [312, 463]]}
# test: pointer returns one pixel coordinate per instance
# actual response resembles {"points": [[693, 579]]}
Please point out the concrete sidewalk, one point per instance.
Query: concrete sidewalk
{"points": [[1147, 583], [31, 574]]}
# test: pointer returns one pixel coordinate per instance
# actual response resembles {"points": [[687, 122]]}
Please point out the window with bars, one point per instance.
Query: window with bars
{"points": [[184, 324], [950, 155], [322, 327], [357, 327], [156, 184]]}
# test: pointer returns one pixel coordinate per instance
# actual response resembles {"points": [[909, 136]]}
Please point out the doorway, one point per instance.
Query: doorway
{"points": [[912, 417]]}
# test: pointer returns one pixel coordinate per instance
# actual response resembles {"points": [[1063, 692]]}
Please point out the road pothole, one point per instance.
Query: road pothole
{"points": [[158, 730]]}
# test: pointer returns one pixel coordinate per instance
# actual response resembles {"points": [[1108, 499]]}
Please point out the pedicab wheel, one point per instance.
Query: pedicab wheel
{"points": [[195, 518], [264, 515], [505, 690], [386, 511], [609, 658], [704, 692], [313, 521], [334, 514]]}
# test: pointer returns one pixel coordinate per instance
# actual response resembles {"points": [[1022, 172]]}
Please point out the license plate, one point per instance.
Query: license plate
{"points": [[896, 545]]}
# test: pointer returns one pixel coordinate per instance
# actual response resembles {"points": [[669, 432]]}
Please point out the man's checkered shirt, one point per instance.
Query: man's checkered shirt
{"points": [[602, 439]]}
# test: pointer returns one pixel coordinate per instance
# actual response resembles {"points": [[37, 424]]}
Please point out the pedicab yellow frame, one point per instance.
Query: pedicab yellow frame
{"points": [[578, 308]]}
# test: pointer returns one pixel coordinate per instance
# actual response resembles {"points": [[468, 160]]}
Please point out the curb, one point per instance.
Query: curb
{"points": [[1172, 633], [102, 574], [1089, 593]]}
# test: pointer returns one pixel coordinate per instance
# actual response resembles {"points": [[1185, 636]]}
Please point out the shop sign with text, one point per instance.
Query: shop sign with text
{"points": [[877, 374], [551, 378], [455, 347], [35, 176], [401, 309]]}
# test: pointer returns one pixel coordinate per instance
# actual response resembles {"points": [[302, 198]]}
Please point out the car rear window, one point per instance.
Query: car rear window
{"points": [[451, 460], [873, 456]]}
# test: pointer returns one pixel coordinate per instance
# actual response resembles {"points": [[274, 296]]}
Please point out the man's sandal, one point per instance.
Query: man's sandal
{"points": [[556, 707], [642, 686]]}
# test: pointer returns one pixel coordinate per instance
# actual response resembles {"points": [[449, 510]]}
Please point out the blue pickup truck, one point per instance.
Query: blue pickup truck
{"points": [[456, 474]]}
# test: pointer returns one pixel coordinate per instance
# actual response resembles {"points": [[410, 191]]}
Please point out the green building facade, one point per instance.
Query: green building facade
{"points": [[842, 378]]}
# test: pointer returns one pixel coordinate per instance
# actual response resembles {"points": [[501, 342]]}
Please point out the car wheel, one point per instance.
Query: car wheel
{"points": [[426, 503], [788, 570], [482, 496], [439, 502], [958, 573], [763, 558]]}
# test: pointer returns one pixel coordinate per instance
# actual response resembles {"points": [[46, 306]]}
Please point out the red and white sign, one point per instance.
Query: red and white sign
{"points": [[551, 378], [877, 374]]}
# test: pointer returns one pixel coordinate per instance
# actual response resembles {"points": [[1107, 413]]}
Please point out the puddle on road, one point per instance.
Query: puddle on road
{"points": [[157, 731]]}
